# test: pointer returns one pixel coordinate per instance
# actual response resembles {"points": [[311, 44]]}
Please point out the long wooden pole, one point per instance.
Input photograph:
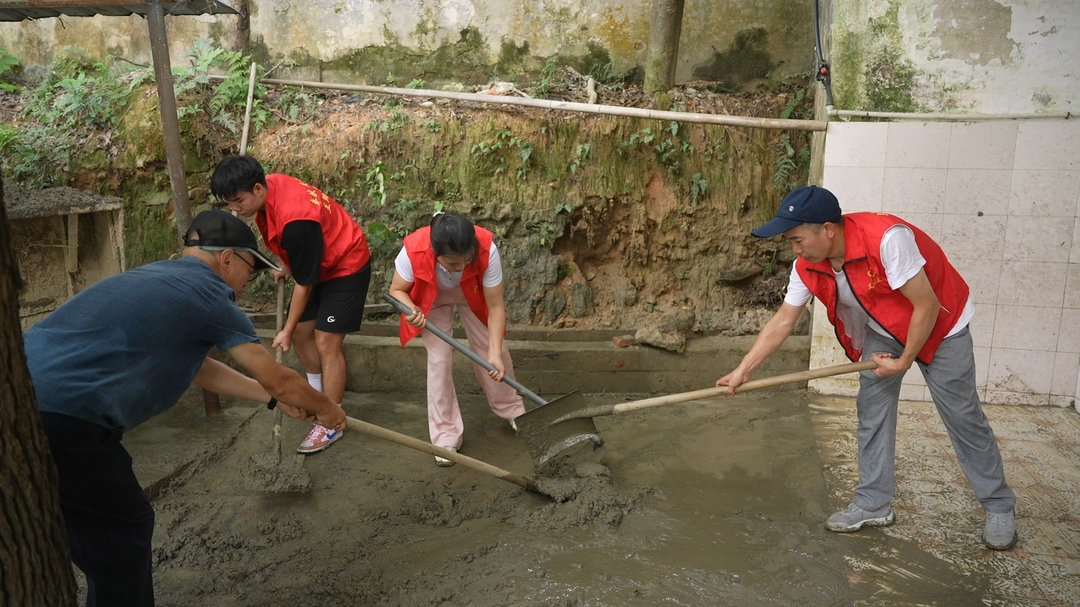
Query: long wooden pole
{"points": [[569, 106]]}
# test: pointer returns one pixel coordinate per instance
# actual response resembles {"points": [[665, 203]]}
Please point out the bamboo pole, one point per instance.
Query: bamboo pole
{"points": [[947, 117], [569, 106]]}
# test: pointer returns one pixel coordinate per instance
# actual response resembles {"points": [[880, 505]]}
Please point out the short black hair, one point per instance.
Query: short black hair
{"points": [[235, 174], [452, 234]]}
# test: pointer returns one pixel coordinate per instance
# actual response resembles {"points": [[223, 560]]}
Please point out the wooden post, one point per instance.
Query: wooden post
{"points": [[170, 123]]}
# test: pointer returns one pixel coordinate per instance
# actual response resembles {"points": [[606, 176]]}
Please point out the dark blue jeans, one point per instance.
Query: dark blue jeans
{"points": [[109, 519]]}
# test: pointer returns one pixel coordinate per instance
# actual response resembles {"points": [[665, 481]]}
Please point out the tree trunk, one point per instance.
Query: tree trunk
{"points": [[35, 568], [663, 52]]}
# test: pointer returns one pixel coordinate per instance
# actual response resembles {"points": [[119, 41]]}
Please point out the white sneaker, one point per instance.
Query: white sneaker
{"points": [[1000, 533], [513, 425], [318, 439], [442, 461]]}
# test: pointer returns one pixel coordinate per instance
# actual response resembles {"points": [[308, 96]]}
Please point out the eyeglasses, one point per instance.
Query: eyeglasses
{"points": [[253, 272]]}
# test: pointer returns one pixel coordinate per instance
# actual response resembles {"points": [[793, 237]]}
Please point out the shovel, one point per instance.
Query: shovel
{"points": [[464, 460], [272, 472], [561, 425], [584, 428]]}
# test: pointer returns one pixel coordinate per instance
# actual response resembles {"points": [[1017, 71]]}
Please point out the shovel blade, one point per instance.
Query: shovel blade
{"points": [[546, 439]]}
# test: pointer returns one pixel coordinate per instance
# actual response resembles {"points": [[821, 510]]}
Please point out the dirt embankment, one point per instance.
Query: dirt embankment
{"points": [[603, 222]]}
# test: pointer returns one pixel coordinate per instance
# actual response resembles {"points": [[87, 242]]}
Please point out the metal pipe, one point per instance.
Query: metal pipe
{"points": [[945, 117], [170, 123], [611, 110]]}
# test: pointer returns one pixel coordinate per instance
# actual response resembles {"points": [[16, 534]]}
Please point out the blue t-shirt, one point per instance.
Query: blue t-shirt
{"points": [[129, 346]]}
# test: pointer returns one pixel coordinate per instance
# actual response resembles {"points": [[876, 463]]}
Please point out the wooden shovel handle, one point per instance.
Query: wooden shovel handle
{"points": [[426, 447], [756, 384], [460, 347], [279, 323]]}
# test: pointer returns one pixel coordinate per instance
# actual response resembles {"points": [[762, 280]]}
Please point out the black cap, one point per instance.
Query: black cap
{"points": [[217, 230], [810, 204]]}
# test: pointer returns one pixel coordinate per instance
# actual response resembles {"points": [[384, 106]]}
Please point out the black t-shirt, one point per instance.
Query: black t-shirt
{"points": [[303, 243]]}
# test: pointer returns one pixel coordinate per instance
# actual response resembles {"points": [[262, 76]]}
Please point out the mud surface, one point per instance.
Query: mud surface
{"points": [[709, 503]]}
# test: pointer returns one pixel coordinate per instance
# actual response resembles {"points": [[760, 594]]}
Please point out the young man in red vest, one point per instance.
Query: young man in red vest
{"points": [[893, 297], [327, 255], [454, 264]]}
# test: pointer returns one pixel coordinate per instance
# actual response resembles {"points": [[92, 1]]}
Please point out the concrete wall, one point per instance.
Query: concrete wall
{"points": [[1003, 200], [986, 56], [324, 31]]}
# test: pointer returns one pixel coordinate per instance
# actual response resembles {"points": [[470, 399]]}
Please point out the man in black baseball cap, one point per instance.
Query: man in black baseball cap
{"points": [[124, 350], [217, 230], [893, 297]]}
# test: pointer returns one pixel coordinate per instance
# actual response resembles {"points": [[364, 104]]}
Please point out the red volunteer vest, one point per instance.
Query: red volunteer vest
{"points": [[345, 250], [866, 275], [425, 288]]}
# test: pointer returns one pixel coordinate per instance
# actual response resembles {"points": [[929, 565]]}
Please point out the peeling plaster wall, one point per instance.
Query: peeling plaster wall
{"points": [[310, 32], [976, 56]]}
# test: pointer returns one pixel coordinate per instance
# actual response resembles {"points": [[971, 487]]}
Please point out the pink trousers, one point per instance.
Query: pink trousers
{"points": [[444, 414]]}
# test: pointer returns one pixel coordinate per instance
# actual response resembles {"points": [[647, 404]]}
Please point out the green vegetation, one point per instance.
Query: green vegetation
{"points": [[538, 177], [793, 154], [8, 64], [886, 78]]}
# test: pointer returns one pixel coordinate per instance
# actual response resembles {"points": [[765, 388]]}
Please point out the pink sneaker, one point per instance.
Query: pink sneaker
{"points": [[318, 439]]}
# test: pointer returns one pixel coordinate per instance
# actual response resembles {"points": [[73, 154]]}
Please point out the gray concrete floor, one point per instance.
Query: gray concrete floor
{"points": [[938, 515], [932, 552]]}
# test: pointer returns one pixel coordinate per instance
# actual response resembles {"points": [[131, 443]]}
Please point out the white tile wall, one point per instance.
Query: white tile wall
{"points": [[1021, 371], [1072, 285], [1066, 368], [982, 278], [857, 188], [1044, 193], [1032, 283], [984, 145], [1046, 145], [1038, 239], [1003, 200], [1026, 327], [973, 237], [914, 190], [918, 145], [974, 191], [857, 145], [1074, 253]]}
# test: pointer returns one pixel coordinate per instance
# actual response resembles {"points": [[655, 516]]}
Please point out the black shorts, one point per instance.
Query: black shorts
{"points": [[337, 305]]}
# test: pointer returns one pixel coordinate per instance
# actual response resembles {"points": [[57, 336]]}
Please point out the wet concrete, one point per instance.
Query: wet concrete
{"points": [[717, 502]]}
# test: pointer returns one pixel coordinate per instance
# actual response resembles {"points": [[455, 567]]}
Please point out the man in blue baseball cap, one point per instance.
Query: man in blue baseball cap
{"points": [[893, 297], [126, 349]]}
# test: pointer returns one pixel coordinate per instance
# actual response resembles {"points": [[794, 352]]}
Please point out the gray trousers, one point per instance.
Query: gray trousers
{"points": [[951, 379]]}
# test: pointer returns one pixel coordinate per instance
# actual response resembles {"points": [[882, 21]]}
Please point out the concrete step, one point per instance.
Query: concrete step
{"points": [[564, 361]]}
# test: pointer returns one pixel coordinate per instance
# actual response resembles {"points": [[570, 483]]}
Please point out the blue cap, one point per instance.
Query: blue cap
{"points": [[810, 204]]}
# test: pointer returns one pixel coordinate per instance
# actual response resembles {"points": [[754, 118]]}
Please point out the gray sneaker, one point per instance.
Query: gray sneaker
{"points": [[854, 518], [1000, 533]]}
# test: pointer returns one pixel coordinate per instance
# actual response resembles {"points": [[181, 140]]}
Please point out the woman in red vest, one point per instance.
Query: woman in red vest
{"points": [[450, 265]]}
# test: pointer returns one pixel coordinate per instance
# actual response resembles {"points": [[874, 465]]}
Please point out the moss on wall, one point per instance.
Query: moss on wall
{"points": [[870, 70]]}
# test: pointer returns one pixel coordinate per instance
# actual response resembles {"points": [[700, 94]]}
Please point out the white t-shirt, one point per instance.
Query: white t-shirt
{"points": [[451, 280], [902, 260]]}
